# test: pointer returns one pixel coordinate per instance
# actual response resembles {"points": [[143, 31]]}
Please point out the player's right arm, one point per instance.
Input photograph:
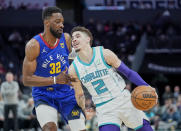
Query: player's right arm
{"points": [[32, 51]]}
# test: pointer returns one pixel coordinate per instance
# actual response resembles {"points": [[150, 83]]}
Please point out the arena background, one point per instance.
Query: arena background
{"points": [[145, 34]]}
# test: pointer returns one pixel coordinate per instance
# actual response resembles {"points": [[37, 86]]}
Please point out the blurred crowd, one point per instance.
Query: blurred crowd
{"points": [[25, 5]]}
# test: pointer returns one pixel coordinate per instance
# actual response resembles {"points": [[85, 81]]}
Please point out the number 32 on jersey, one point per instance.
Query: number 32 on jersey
{"points": [[55, 68]]}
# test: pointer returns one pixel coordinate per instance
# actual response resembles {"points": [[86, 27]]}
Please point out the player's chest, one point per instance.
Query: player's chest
{"points": [[56, 56], [90, 74]]}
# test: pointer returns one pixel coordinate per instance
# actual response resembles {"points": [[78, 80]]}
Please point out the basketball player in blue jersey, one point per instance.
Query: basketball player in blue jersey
{"points": [[44, 68], [96, 68]]}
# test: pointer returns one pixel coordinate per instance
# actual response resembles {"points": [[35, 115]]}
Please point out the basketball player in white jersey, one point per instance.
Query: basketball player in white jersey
{"points": [[96, 69]]}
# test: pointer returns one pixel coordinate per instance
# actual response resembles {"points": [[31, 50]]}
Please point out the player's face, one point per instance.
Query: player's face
{"points": [[56, 24], [80, 40]]}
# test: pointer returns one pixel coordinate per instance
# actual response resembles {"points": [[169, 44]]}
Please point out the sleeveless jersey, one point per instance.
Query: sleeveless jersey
{"points": [[101, 80], [51, 62]]}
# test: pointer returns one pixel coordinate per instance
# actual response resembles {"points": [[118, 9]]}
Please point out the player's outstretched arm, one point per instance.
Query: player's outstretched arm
{"points": [[32, 51], [112, 60], [79, 93]]}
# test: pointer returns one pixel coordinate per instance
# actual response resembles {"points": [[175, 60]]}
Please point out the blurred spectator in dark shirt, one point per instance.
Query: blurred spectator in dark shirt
{"points": [[176, 93], [167, 93], [15, 36]]}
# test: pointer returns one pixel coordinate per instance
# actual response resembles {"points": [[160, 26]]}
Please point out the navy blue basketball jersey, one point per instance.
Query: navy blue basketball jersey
{"points": [[51, 62]]}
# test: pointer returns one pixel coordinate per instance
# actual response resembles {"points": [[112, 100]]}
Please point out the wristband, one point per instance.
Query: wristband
{"points": [[54, 80]]}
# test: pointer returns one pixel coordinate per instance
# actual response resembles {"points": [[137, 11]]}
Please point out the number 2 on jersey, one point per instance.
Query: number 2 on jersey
{"points": [[99, 86], [55, 68]]}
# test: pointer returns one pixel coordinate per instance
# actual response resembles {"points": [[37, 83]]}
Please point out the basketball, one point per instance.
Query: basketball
{"points": [[144, 97]]}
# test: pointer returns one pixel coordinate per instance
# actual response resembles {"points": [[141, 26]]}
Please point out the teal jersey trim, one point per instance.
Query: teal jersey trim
{"points": [[94, 53], [76, 70], [103, 58], [109, 123], [138, 127], [100, 104]]}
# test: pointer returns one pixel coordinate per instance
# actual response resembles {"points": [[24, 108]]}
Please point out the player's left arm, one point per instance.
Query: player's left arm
{"points": [[79, 93], [112, 60], [68, 41]]}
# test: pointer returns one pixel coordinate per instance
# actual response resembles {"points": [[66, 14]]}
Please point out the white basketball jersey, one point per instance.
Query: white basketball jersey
{"points": [[101, 80]]}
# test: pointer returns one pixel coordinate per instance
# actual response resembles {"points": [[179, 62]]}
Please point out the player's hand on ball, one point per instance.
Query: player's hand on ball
{"points": [[144, 97], [155, 93]]}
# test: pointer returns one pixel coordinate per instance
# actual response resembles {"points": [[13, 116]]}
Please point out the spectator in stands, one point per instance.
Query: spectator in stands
{"points": [[176, 93], [27, 119], [167, 104], [157, 109], [15, 36], [167, 93], [178, 104], [170, 119], [9, 92], [164, 19]]}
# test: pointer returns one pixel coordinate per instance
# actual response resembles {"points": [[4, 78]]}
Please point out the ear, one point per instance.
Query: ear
{"points": [[46, 23], [88, 40]]}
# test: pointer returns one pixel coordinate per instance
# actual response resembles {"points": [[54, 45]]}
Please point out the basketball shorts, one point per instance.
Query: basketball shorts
{"points": [[119, 110], [47, 108]]}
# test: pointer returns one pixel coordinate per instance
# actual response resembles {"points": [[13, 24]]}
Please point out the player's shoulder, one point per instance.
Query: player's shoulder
{"points": [[68, 41], [108, 55], [32, 48], [67, 35], [32, 44], [107, 52], [104, 50], [72, 69]]}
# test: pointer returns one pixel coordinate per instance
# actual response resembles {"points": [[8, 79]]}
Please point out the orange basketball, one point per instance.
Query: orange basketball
{"points": [[144, 97]]}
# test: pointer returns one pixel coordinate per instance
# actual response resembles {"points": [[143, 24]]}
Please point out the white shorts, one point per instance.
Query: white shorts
{"points": [[120, 110], [46, 113]]}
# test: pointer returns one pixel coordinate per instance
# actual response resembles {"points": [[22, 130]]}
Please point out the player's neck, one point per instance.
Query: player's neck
{"points": [[86, 54], [49, 38]]}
